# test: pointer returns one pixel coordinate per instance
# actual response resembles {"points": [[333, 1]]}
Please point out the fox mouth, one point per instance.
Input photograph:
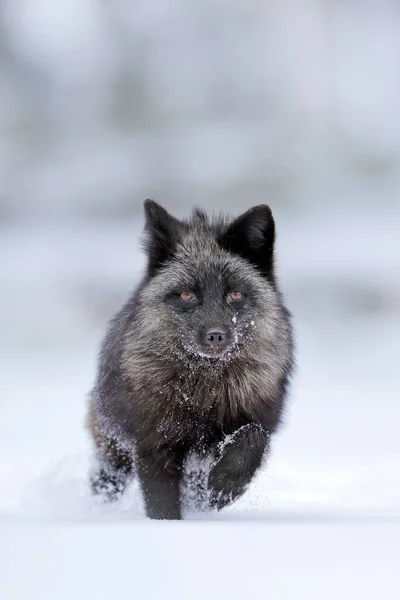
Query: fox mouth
{"points": [[197, 350], [212, 353], [207, 352]]}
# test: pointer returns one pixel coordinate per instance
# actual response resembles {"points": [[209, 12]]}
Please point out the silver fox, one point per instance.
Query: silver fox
{"points": [[197, 362]]}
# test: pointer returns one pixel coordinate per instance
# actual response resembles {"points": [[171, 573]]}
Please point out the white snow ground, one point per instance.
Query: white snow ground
{"points": [[323, 521]]}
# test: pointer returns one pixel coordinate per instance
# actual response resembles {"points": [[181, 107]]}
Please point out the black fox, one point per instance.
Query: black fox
{"points": [[197, 362]]}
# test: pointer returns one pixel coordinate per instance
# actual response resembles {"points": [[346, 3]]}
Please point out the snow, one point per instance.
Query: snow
{"points": [[165, 561], [322, 521]]}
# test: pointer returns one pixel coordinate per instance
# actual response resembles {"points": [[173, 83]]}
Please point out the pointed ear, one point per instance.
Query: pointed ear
{"points": [[162, 232], [252, 236]]}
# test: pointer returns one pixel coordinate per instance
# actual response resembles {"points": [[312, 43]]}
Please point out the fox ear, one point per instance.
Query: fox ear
{"points": [[252, 236], [162, 232]]}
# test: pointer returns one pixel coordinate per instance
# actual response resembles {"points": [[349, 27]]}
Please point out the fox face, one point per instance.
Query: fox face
{"points": [[210, 283], [212, 311]]}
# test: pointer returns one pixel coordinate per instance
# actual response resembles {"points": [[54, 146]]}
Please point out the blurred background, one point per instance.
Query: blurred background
{"points": [[222, 104]]}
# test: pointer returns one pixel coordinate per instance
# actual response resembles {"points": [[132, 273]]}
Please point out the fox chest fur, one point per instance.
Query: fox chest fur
{"points": [[171, 399]]}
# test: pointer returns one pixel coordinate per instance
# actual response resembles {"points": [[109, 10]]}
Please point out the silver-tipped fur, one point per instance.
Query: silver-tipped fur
{"points": [[200, 355]]}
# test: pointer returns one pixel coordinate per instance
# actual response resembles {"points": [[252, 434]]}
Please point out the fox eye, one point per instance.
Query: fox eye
{"points": [[235, 296], [187, 296]]}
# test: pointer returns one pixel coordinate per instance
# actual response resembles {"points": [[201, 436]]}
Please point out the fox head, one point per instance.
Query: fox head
{"points": [[210, 289]]}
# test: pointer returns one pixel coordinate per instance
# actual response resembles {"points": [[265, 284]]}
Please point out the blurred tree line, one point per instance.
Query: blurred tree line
{"points": [[222, 103]]}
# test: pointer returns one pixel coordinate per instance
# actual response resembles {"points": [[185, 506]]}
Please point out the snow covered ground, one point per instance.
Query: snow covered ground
{"points": [[323, 521]]}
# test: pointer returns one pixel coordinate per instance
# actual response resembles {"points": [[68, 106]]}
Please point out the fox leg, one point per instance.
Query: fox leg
{"points": [[238, 457], [114, 471], [114, 467], [160, 478]]}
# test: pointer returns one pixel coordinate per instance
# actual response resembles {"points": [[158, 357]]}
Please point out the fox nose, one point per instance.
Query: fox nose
{"points": [[215, 337]]}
